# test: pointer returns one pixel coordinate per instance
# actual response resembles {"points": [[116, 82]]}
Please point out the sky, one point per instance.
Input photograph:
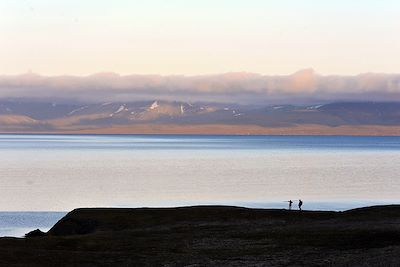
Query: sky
{"points": [[193, 37]]}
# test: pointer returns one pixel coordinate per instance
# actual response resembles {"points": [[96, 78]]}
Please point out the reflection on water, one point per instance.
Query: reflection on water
{"points": [[61, 172]]}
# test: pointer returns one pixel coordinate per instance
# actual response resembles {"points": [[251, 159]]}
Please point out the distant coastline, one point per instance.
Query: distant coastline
{"points": [[224, 129]]}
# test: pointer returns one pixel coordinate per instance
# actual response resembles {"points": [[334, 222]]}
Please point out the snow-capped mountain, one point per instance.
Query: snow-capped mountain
{"points": [[23, 116]]}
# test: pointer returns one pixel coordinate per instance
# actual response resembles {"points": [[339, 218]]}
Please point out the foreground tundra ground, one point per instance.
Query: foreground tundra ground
{"points": [[212, 236]]}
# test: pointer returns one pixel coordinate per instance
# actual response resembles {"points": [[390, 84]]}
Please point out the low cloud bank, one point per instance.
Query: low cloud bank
{"points": [[304, 86]]}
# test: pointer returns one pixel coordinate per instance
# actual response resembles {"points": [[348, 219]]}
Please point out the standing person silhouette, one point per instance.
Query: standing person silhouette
{"points": [[300, 204], [290, 204]]}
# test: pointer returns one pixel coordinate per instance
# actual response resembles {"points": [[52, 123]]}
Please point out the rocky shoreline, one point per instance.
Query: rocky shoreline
{"points": [[212, 236]]}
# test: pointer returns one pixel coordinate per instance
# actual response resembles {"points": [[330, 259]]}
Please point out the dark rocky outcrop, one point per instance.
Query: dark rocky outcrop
{"points": [[212, 236], [35, 233]]}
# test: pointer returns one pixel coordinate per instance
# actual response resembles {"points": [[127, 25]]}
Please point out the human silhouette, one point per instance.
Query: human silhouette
{"points": [[300, 204], [290, 204]]}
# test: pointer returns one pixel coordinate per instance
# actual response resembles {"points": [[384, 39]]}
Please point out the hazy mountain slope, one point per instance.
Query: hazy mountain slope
{"points": [[22, 116]]}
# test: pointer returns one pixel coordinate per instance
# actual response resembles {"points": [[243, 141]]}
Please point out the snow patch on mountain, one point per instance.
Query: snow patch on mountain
{"points": [[154, 105], [76, 110], [314, 107], [121, 108]]}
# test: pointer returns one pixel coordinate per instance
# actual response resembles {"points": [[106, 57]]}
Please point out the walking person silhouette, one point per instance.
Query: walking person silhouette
{"points": [[300, 204], [290, 204]]}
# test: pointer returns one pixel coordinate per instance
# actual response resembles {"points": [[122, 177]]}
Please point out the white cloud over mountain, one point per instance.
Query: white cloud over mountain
{"points": [[304, 86]]}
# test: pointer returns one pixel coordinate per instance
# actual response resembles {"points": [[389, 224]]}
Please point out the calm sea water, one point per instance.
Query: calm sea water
{"points": [[62, 172], [17, 224]]}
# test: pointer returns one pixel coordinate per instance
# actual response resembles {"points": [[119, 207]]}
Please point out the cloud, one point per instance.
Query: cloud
{"points": [[304, 86]]}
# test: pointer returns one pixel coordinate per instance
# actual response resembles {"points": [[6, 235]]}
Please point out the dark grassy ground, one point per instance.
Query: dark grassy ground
{"points": [[213, 236]]}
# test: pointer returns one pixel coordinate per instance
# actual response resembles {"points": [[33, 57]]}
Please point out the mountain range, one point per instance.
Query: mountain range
{"points": [[155, 116]]}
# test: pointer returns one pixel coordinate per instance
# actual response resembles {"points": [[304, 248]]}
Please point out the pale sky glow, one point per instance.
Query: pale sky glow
{"points": [[199, 37]]}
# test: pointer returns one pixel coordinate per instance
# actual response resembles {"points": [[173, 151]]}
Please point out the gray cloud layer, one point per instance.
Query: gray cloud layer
{"points": [[304, 86]]}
